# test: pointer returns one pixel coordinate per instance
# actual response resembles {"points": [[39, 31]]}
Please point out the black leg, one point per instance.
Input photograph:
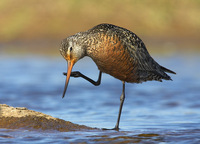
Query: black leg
{"points": [[78, 74], [122, 98]]}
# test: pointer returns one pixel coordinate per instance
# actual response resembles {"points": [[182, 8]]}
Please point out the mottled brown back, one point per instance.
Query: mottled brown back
{"points": [[122, 54]]}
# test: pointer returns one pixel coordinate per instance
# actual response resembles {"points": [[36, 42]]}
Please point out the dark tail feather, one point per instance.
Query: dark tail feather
{"points": [[167, 70]]}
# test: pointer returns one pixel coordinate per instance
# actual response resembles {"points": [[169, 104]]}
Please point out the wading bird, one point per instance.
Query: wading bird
{"points": [[116, 51]]}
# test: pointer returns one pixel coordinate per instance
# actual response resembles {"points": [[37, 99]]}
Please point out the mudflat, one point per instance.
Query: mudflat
{"points": [[21, 117]]}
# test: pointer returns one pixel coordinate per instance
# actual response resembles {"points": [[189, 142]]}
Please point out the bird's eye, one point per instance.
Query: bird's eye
{"points": [[70, 49]]}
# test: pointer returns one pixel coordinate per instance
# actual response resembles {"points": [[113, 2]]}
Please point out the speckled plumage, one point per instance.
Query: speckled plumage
{"points": [[120, 53], [116, 51]]}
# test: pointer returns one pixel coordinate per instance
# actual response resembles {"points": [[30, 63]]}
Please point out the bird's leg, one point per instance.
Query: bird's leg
{"points": [[122, 98], [78, 74]]}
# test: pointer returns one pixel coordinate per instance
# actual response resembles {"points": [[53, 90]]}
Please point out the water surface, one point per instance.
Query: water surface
{"points": [[153, 112]]}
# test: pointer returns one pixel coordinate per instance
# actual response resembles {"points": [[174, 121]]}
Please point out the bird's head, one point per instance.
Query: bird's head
{"points": [[72, 50]]}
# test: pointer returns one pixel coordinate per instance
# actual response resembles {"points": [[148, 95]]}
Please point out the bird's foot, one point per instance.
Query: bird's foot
{"points": [[73, 74], [115, 128]]}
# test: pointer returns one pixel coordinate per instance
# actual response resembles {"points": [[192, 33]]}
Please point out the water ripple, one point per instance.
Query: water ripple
{"points": [[153, 112]]}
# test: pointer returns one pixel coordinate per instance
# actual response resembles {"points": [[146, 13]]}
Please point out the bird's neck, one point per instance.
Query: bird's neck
{"points": [[89, 42]]}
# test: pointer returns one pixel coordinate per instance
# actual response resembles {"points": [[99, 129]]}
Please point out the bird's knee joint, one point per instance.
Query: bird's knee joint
{"points": [[122, 97]]}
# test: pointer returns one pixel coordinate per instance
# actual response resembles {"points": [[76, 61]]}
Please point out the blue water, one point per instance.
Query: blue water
{"points": [[168, 112]]}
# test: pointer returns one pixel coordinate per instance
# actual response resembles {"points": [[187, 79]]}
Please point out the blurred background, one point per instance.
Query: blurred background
{"points": [[37, 27], [31, 66]]}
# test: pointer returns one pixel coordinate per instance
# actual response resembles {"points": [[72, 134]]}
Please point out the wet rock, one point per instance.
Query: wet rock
{"points": [[21, 117]]}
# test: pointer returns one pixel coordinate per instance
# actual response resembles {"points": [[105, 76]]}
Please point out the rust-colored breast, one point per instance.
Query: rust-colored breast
{"points": [[113, 58]]}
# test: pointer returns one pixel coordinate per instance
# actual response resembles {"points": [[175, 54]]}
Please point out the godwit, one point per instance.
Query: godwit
{"points": [[116, 51]]}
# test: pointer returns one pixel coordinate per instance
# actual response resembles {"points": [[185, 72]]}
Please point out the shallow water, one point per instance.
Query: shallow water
{"points": [[153, 112]]}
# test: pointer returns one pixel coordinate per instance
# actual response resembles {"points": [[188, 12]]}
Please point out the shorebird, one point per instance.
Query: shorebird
{"points": [[116, 51]]}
